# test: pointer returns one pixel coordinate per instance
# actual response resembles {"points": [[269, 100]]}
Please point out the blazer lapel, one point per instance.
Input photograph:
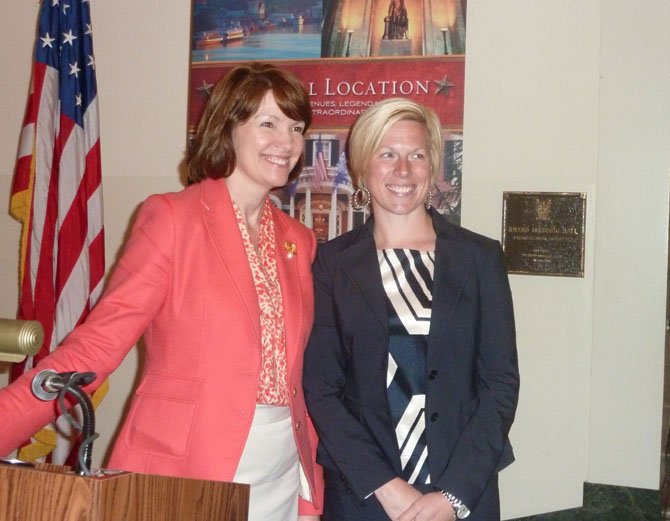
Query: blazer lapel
{"points": [[360, 263], [452, 266], [291, 289], [221, 223]]}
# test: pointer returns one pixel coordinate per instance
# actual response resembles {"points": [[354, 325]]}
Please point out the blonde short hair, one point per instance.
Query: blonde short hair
{"points": [[372, 125]]}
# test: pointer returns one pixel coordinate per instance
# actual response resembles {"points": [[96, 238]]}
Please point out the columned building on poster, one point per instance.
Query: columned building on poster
{"points": [[321, 197], [360, 28]]}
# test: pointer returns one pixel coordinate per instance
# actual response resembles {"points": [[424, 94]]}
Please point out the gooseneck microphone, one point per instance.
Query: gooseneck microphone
{"points": [[48, 385]]}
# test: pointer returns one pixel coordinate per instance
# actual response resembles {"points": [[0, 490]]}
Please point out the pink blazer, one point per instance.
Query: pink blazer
{"points": [[184, 283]]}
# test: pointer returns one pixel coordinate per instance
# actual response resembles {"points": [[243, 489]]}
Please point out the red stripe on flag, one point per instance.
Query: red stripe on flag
{"points": [[92, 181], [96, 249], [22, 175], [96, 253]]}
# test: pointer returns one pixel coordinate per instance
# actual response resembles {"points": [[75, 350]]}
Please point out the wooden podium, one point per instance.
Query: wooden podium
{"points": [[53, 493]]}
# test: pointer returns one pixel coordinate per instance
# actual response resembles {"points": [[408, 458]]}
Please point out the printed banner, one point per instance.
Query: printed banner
{"points": [[350, 54]]}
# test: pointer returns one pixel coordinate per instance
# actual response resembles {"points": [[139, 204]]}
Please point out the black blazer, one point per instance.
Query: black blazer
{"points": [[472, 376]]}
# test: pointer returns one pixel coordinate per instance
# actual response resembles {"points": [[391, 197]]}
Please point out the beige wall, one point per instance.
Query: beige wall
{"points": [[560, 96]]}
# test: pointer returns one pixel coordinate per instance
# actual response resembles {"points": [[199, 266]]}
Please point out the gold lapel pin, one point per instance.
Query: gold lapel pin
{"points": [[291, 249]]}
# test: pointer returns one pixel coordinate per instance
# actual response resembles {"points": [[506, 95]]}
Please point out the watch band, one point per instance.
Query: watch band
{"points": [[461, 510]]}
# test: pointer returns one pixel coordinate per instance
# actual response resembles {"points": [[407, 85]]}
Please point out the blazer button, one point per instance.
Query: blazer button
{"points": [[434, 417], [432, 375], [298, 425]]}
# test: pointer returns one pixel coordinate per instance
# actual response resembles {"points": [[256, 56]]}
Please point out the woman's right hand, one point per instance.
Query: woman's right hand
{"points": [[396, 497]]}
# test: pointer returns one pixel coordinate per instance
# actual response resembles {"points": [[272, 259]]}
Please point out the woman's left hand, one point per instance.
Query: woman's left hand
{"points": [[309, 518], [429, 507]]}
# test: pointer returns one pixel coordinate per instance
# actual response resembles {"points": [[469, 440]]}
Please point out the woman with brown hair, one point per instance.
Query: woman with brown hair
{"points": [[218, 281]]}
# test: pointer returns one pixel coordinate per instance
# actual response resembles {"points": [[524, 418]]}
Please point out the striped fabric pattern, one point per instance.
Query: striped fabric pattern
{"points": [[57, 188], [407, 276]]}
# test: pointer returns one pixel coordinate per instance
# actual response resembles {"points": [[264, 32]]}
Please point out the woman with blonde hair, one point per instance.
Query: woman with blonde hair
{"points": [[411, 373]]}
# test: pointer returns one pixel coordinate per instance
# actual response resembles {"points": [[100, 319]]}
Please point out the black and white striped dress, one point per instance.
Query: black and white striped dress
{"points": [[407, 276]]}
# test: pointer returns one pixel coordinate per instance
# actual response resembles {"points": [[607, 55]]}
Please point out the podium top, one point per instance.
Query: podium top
{"points": [[40, 493]]}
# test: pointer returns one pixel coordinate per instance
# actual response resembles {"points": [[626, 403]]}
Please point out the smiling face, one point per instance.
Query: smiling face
{"points": [[399, 173], [267, 147]]}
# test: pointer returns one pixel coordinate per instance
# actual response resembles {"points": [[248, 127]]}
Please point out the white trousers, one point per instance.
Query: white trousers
{"points": [[271, 466]]}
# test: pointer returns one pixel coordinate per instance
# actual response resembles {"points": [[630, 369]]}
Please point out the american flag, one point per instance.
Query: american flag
{"points": [[320, 169], [342, 172], [57, 191]]}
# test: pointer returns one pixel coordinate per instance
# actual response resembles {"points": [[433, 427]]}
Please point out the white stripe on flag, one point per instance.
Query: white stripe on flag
{"points": [[95, 219], [73, 162], [91, 124], [27, 140], [46, 133]]}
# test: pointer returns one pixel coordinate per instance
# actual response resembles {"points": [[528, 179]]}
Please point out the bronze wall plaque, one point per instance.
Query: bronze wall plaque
{"points": [[543, 233]]}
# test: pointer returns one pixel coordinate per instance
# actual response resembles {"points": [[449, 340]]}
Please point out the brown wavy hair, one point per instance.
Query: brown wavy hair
{"points": [[234, 99]]}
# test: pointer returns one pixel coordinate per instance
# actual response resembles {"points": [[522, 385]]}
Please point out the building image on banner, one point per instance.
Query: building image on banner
{"points": [[350, 54], [393, 28]]}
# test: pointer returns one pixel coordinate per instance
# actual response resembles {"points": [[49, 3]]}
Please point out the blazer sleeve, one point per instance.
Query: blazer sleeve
{"points": [[135, 291], [345, 445], [482, 448]]}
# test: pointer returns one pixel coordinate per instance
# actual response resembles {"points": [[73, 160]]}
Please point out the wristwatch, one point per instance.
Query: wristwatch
{"points": [[461, 510]]}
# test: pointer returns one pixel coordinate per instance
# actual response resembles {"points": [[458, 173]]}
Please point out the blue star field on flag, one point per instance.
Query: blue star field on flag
{"points": [[65, 43]]}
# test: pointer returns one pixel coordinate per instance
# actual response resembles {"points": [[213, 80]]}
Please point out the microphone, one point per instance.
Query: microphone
{"points": [[47, 384], [19, 338]]}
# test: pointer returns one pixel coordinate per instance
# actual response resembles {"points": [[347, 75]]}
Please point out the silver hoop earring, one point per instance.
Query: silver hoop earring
{"points": [[429, 199], [361, 198]]}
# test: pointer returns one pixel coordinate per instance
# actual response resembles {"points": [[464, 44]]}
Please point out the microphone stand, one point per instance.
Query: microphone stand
{"points": [[48, 385]]}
